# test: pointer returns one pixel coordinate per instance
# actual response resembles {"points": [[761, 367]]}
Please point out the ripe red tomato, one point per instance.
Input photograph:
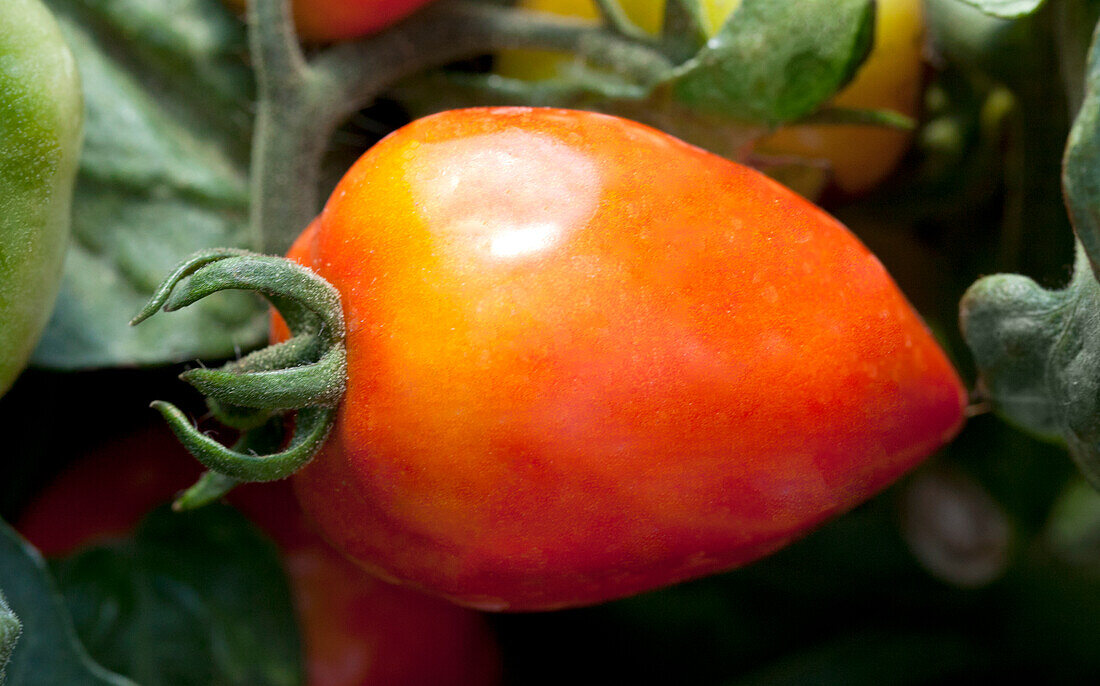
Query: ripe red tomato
{"points": [[324, 21], [357, 630], [587, 359]]}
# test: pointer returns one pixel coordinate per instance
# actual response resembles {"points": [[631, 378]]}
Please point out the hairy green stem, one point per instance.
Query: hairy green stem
{"points": [[284, 191], [453, 29]]}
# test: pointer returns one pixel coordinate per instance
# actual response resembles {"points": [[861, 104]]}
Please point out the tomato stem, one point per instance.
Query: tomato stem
{"points": [[846, 116], [213, 485], [210, 487], [615, 19]]}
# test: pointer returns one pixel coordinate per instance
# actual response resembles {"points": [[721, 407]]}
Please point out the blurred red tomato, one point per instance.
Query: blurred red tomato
{"points": [[357, 630], [324, 21]]}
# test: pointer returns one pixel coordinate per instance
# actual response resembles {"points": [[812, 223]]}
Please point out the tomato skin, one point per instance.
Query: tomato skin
{"points": [[587, 359], [357, 630], [325, 21], [858, 157], [41, 123]]}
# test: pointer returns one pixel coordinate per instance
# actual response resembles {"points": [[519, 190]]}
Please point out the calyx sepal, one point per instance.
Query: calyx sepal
{"points": [[305, 375]]}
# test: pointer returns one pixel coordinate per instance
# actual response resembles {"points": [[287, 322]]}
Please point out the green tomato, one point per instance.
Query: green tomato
{"points": [[41, 115]]}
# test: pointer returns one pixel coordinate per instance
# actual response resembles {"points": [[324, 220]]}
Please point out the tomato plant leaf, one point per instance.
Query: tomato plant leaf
{"points": [[48, 651], [10, 628], [774, 62], [1007, 9], [1037, 354], [1082, 160], [1038, 351], [163, 174], [193, 598]]}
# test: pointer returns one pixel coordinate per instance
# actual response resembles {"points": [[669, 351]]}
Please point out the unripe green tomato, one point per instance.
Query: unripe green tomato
{"points": [[858, 157], [41, 115]]}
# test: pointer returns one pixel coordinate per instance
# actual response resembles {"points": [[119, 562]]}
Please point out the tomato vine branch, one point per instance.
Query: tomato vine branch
{"points": [[303, 100]]}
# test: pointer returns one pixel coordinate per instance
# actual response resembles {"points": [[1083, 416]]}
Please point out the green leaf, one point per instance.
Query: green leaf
{"points": [[1007, 9], [774, 62], [194, 598], [1082, 162], [1073, 531], [163, 174], [1038, 351], [10, 628], [48, 652]]}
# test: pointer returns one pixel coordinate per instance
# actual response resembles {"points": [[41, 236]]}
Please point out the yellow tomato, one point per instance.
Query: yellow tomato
{"points": [[858, 156]]}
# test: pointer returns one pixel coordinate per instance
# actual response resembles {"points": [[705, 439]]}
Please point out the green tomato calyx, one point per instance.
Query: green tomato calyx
{"points": [[305, 374]]}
